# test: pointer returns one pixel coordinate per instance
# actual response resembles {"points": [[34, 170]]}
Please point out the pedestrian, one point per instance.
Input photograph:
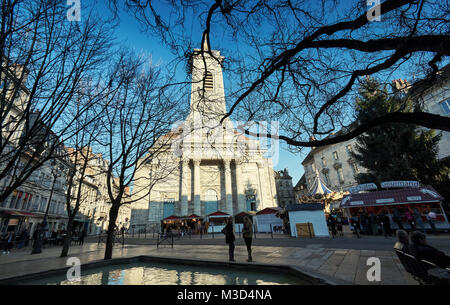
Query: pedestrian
{"points": [[431, 216], [332, 223], [247, 234], [419, 220], [23, 238], [339, 225], [372, 224], [355, 224], [82, 236], [386, 225], [397, 218], [421, 250], [229, 237], [9, 241], [402, 243], [410, 219]]}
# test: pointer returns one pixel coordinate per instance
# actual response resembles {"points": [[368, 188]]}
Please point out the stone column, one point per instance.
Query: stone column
{"points": [[228, 188], [197, 189], [239, 188], [260, 188], [184, 191]]}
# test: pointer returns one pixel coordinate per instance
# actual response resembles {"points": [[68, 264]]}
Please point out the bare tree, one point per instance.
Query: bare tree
{"points": [[135, 129], [299, 62], [44, 58]]}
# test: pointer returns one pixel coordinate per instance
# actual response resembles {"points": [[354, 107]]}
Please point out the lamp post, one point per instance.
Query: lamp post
{"points": [[37, 246]]}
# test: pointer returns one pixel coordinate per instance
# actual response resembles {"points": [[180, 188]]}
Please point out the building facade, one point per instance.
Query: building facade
{"points": [[435, 99], [334, 164], [210, 166], [285, 189]]}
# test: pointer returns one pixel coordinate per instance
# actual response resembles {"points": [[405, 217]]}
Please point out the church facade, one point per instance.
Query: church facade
{"points": [[208, 165]]}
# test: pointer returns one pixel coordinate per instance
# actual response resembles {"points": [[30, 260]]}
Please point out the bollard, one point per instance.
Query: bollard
{"points": [[212, 228], [254, 230], [271, 233], [145, 233], [132, 233], [239, 230]]}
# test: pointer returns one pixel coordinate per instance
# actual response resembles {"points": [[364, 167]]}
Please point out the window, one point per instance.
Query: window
{"points": [[340, 173], [324, 162], [209, 83], [335, 155], [349, 149], [445, 105], [354, 168]]}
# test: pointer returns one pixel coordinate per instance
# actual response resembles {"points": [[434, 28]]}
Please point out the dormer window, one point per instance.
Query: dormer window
{"points": [[209, 81]]}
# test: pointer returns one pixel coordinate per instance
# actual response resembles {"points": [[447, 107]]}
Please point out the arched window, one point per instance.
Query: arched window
{"points": [[211, 202]]}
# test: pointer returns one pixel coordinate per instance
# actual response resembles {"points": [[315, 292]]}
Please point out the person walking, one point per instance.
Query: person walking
{"points": [[355, 224], [339, 223], [397, 218], [332, 223], [419, 220], [229, 237], [82, 236], [247, 234], [431, 216], [386, 225], [410, 218], [9, 241]]}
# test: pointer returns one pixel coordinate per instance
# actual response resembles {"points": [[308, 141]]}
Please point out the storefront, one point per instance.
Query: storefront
{"points": [[15, 221], [421, 199]]}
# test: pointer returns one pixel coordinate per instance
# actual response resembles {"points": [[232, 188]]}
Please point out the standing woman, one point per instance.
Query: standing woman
{"points": [[229, 237], [247, 233]]}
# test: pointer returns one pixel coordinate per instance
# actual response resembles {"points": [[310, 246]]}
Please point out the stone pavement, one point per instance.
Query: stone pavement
{"points": [[343, 266]]}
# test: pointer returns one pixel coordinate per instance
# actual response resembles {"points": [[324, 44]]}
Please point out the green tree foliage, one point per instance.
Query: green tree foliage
{"points": [[396, 151]]}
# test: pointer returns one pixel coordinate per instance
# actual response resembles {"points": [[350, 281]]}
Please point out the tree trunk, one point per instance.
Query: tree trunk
{"points": [[111, 230], [68, 238]]}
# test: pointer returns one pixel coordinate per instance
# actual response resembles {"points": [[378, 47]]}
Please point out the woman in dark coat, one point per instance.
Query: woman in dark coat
{"points": [[247, 233], [229, 237]]}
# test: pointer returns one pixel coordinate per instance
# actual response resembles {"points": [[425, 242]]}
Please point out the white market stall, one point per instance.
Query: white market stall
{"points": [[300, 215], [216, 221], [266, 220]]}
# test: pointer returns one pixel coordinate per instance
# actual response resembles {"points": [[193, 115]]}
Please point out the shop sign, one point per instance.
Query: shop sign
{"points": [[414, 198], [363, 187], [13, 222], [399, 184], [357, 202], [385, 200]]}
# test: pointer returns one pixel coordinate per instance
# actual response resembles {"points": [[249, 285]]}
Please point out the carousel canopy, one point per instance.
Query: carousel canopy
{"points": [[319, 187]]}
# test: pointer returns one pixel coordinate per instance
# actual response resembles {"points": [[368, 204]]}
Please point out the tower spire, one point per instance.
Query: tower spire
{"points": [[205, 42]]}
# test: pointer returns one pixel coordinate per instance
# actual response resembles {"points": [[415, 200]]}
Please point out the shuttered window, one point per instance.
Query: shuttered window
{"points": [[209, 82]]}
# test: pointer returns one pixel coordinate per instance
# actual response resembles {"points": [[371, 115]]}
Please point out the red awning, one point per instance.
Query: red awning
{"points": [[193, 216], [218, 214], [269, 211], [392, 197], [17, 213], [172, 217]]}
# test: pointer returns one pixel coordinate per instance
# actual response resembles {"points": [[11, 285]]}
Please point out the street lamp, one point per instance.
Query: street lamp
{"points": [[37, 246]]}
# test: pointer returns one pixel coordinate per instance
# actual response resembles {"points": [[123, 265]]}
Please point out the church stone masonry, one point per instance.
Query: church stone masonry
{"points": [[212, 166]]}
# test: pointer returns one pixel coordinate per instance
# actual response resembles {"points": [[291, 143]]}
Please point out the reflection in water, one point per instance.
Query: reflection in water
{"points": [[168, 274]]}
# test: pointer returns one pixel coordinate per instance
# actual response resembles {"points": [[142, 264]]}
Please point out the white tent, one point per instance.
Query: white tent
{"points": [[308, 213], [266, 220]]}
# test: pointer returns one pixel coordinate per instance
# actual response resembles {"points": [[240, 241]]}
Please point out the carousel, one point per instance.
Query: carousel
{"points": [[320, 193]]}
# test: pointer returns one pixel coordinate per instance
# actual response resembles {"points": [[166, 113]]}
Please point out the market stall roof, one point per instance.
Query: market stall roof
{"points": [[193, 216], [319, 187], [218, 214], [172, 217], [304, 207], [17, 213], [273, 210], [392, 197]]}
